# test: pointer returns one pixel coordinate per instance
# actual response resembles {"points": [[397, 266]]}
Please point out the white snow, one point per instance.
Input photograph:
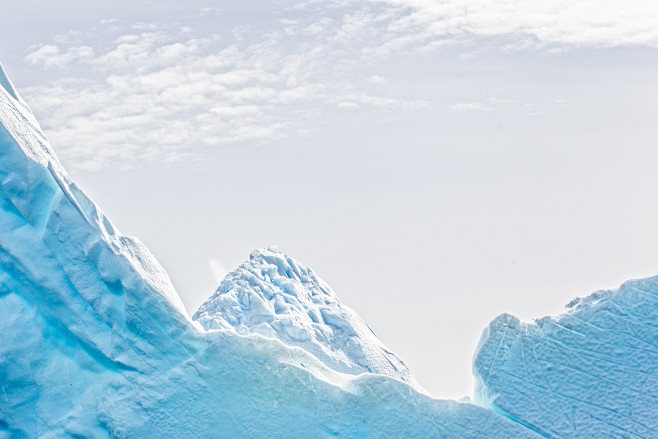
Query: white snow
{"points": [[274, 295]]}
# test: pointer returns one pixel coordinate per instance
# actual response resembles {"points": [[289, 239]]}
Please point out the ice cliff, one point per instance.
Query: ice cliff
{"points": [[590, 372], [94, 341]]}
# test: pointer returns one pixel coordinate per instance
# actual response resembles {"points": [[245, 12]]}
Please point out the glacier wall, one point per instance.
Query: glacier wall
{"points": [[94, 341]]}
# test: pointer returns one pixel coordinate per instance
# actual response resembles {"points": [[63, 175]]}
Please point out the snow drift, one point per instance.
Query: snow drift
{"points": [[94, 341]]}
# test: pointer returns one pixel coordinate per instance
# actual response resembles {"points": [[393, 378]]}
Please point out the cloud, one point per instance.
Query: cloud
{"points": [[349, 97], [469, 106], [347, 105], [140, 92], [163, 99], [205, 12], [541, 22], [508, 106], [376, 79], [150, 93], [49, 56]]}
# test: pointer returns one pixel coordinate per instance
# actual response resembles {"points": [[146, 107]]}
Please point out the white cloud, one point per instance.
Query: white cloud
{"points": [[464, 107], [347, 105], [548, 22], [382, 102], [205, 12], [376, 79], [507, 106], [48, 55], [152, 93], [163, 98]]}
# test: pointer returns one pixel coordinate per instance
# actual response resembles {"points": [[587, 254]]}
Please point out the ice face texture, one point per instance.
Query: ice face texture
{"points": [[94, 341], [590, 372], [274, 295]]}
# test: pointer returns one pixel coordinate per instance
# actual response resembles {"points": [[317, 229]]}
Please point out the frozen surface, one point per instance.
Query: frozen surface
{"points": [[94, 341], [274, 295]]}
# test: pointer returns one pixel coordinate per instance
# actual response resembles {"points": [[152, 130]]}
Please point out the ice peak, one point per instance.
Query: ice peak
{"points": [[274, 295]]}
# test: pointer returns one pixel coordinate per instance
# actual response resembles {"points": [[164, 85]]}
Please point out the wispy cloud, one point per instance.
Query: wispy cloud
{"points": [[49, 55], [464, 107], [162, 99], [155, 94], [503, 106], [542, 22], [107, 21], [141, 92], [376, 79]]}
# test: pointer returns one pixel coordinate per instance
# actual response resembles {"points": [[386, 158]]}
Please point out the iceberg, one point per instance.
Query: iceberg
{"points": [[95, 342]]}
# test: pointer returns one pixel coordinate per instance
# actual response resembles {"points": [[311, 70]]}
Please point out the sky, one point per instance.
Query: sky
{"points": [[436, 162]]}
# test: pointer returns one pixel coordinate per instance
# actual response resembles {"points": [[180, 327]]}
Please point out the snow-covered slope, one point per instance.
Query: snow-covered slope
{"points": [[274, 295], [94, 342]]}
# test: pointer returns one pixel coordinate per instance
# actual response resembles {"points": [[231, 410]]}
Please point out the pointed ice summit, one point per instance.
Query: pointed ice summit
{"points": [[274, 295]]}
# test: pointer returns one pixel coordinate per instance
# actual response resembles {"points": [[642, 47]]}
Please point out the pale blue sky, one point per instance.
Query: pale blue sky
{"points": [[436, 163]]}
